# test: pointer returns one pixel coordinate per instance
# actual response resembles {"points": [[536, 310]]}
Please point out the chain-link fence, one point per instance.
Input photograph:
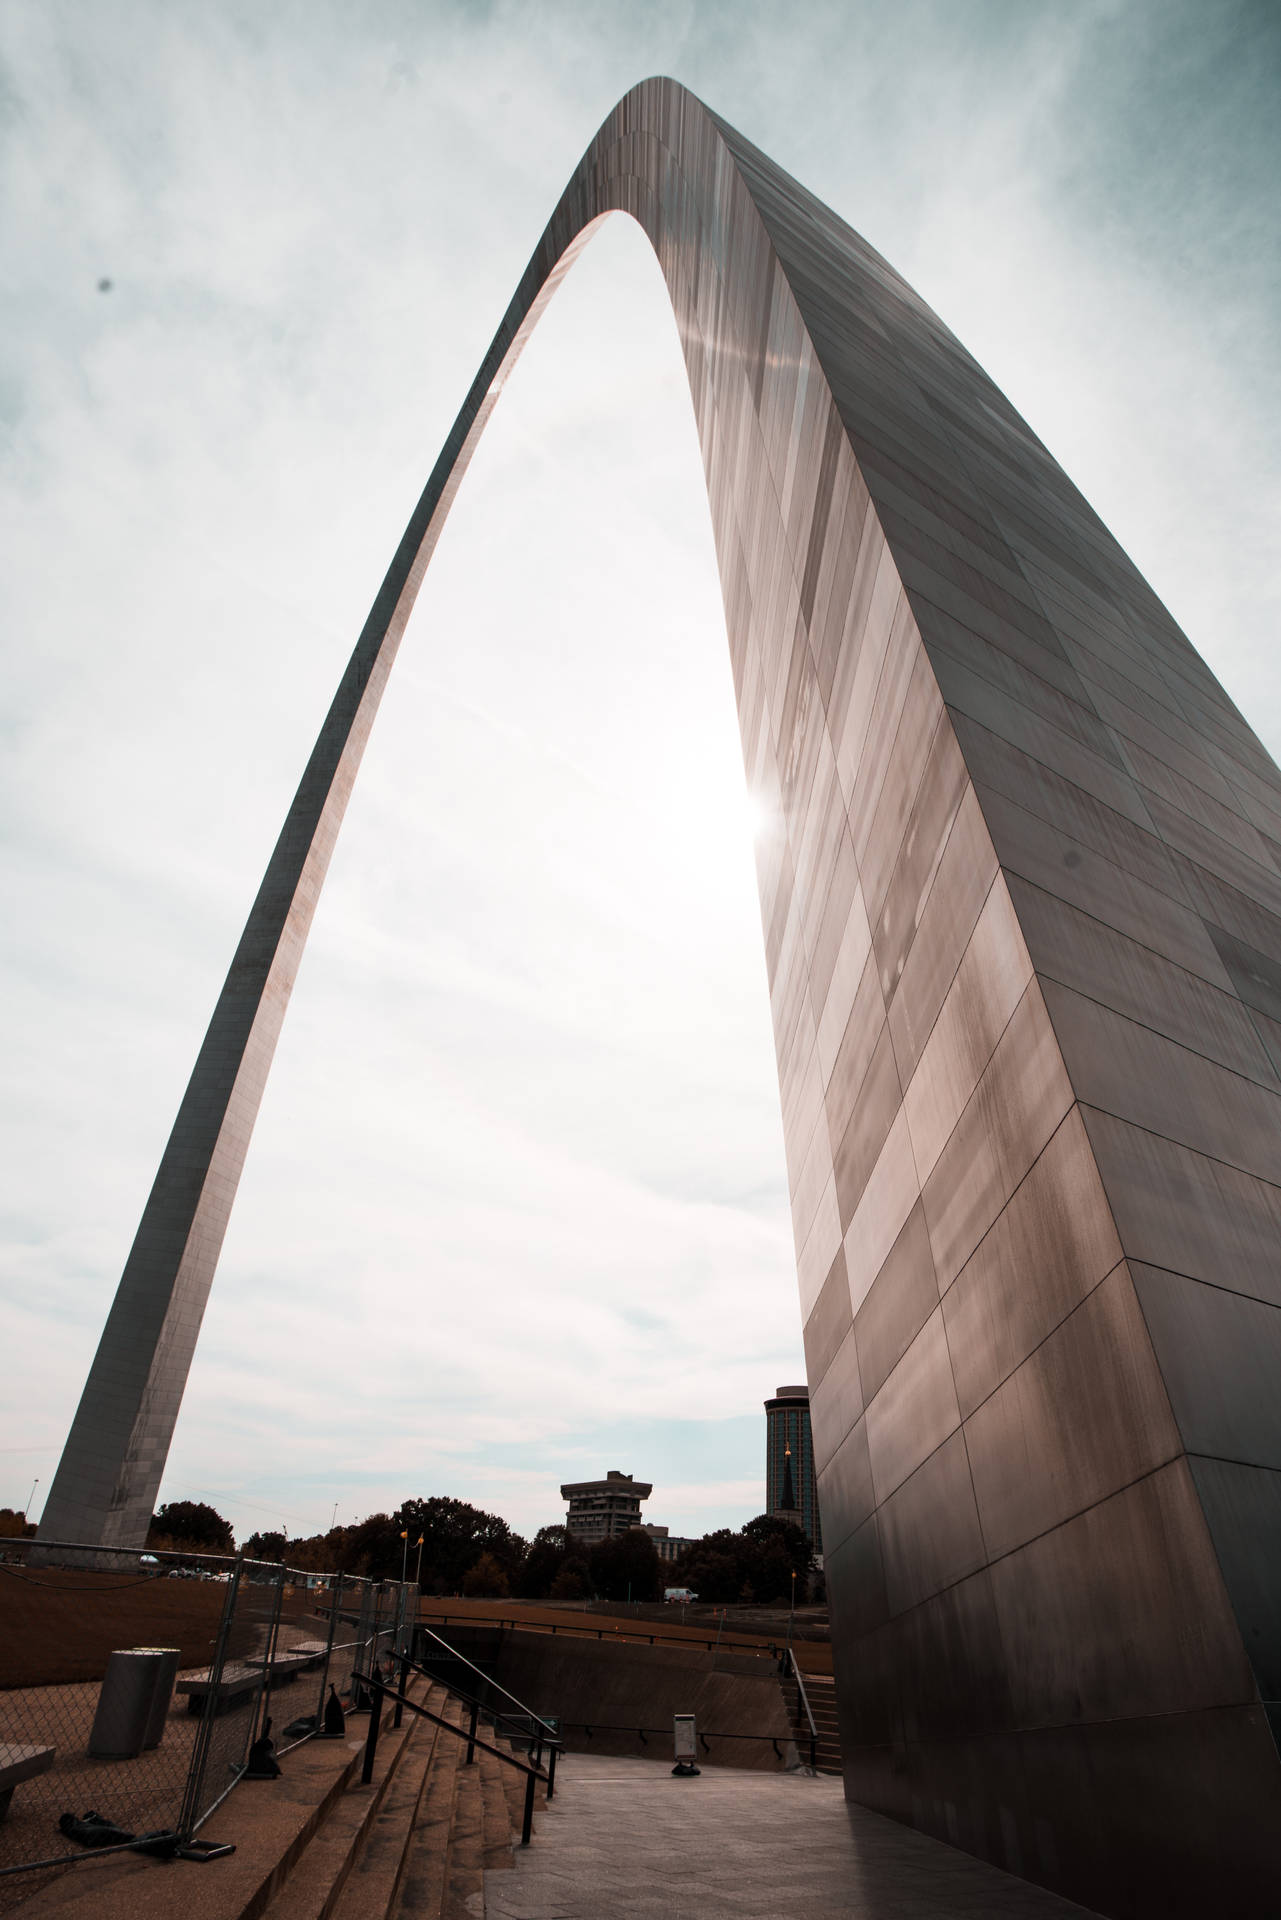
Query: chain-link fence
{"points": [[134, 1685]]}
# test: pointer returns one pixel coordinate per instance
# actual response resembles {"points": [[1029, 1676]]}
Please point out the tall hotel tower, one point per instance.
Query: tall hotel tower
{"points": [[789, 1456]]}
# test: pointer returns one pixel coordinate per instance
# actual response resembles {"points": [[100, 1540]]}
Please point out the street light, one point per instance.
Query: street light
{"points": [[418, 1566], [26, 1512]]}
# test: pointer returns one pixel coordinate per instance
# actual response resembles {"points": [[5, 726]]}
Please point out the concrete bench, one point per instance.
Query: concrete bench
{"points": [[17, 1764], [296, 1658], [285, 1666], [238, 1681]]}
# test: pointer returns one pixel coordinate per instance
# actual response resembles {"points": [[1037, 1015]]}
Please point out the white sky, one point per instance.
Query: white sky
{"points": [[515, 1210]]}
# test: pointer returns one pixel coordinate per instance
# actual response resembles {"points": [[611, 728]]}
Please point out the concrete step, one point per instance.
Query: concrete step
{"points": [[316, 1880], [498, 1818], [374, 1880], [420, 1893], [513, 1786], [416, 1843], [801, 1734], [820, 1692], [465, 1861]]}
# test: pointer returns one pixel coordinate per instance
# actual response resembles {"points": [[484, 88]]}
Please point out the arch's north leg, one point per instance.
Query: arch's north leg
{"points": [[1023, 924]]}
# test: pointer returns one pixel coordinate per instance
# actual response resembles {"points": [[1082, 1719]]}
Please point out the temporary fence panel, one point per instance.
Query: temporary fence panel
{"points": [[252, 1643], [227, 1696], [66, 1610]]}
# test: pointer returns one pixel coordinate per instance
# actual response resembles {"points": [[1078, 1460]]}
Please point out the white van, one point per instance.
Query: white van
{"points": [[677, 1596]]}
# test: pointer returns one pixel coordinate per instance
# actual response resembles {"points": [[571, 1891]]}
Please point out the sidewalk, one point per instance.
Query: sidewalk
{"points": [[623, 1840]]}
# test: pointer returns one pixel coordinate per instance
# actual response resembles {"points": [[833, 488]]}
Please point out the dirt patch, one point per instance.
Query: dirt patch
{"points": [[58, 1625]]}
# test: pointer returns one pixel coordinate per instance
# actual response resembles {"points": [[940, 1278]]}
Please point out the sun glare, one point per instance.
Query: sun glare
{"points": [[761, 816]]}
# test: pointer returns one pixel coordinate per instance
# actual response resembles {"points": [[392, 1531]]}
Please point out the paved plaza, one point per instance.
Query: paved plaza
{"points": [[624, 1840]]}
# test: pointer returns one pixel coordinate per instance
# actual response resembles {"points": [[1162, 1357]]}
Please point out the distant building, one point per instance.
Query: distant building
{"points": [[669, 1546], [788, 1507], [789, 1462], [598, 1509]]}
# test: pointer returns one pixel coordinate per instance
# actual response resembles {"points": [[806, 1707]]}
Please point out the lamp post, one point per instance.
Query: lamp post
{"points": [[26, 1512], [418, 1564], [404, 1557]]}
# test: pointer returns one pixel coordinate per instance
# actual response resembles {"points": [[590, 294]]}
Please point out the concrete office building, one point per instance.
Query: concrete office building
{"points": [[1022, 920], [790, 1490], [668, 1546], [598, 1509]]}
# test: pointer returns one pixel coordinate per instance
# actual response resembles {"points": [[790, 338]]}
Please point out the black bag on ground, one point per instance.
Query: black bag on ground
{"points": [[91, 1830]]}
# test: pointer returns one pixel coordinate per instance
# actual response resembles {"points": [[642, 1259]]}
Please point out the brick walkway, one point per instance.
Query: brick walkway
{"points": [[623, 1840]]}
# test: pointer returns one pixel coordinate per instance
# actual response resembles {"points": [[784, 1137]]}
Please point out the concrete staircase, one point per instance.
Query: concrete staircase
{"points": [[820, 1690], [419, 1839]]}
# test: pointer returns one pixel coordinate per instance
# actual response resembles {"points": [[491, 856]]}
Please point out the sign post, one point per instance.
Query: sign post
{"points": [[686, 1746]]}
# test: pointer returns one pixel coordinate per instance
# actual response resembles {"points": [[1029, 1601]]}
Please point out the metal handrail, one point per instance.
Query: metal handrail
{"points": [[547, 1735], [763, 1649], [593, 1727], [379, 1688], [480, 1673], [804, 1700]]}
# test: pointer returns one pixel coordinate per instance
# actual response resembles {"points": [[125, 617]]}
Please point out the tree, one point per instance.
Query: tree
{"points": [[777, 1549], [454, 1536], [486, 1580], [266, 1546], [15, 1525], [319, 1553], [626, 1567], [713, 1566], [571, 1583], [192, 1526], [760, 1559], [545, 1559], [373, 1547]]}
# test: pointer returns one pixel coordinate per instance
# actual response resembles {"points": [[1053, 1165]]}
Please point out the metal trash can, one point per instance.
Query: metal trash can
{"points": [[134, 1700]]}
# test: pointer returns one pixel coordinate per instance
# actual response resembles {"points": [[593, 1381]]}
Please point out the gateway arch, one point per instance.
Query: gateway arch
{"points": [[1023, 934]]}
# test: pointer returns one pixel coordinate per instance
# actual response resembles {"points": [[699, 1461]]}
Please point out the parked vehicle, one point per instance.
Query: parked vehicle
{"points": [[677, 1596]]}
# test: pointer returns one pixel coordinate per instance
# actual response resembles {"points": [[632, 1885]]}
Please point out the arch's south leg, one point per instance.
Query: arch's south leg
{"points": [[1023, 925], [1023, 934]]}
